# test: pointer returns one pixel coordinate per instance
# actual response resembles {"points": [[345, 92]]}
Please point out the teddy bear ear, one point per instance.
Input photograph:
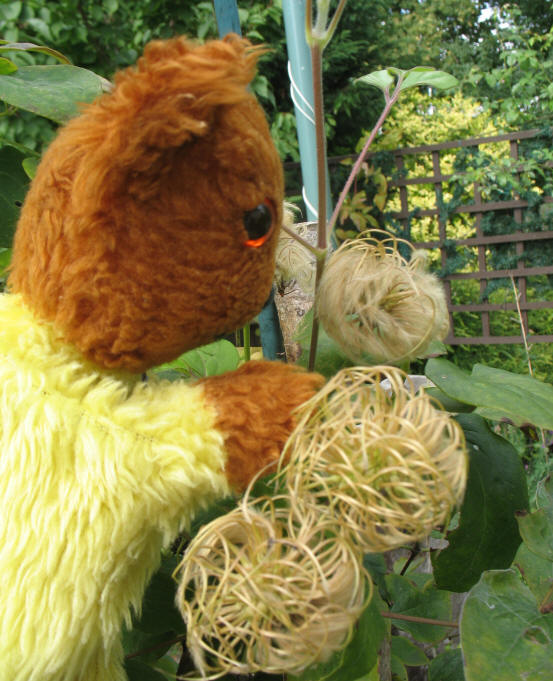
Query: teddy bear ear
{"points": [[172, 94], [170, 98]]}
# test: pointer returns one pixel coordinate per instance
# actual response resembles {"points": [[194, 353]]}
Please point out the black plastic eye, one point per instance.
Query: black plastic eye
{"points": [[258, 224]]}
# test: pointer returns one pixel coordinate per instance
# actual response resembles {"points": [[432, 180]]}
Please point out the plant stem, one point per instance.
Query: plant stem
{"points": [[151, 649], [247, 342], [390, 101], [312, 249], [317, 71], [421, 620]]}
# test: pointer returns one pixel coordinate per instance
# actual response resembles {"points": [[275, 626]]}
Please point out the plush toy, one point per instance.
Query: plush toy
{"points": [[150, 229]]}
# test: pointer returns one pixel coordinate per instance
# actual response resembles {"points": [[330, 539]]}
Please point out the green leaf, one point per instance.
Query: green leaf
{"points": [[31, 47], [537, 573], [426, 75], [209, 360], [536, 530], [487, 536], [6, 66], [10, 11], [30, 166], [380, 79], [448, 666], [447, 402], [159, 613], [503, 634], [497, 394], [428, 602], [50, 91], [329, 358], [13, 187], [406, 651], [5, 258], [137, 670], [360, 655]]}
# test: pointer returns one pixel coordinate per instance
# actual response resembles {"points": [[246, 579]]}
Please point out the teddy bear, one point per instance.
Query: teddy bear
{"points": [[149, 229]]}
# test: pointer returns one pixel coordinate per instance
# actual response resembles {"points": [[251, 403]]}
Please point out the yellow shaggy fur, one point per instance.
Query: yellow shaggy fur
{"points": [[119, 465]]}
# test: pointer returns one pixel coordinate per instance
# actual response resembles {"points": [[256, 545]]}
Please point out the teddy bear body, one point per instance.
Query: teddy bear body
{"points": [[132, 247]]}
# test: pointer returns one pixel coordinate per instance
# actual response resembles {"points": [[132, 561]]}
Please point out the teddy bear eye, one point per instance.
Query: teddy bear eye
{"points": [[259, 224]]}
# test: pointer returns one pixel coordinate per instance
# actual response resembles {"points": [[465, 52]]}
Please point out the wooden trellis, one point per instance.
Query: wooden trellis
{"points": [[477, 208]]}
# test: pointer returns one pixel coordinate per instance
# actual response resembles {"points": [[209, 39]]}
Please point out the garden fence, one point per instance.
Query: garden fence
{"points": [[445, 243]]}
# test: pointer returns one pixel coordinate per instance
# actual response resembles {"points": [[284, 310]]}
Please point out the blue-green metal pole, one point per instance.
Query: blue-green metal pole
{"points": [[301, 90], [226, 13], [228, 21]]}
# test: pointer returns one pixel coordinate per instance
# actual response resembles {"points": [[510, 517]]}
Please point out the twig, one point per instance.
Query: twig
{"points": [[421, 620]]}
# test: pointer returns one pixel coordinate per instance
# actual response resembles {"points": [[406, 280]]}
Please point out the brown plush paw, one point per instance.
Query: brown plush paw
{"points": [[254, 406]]}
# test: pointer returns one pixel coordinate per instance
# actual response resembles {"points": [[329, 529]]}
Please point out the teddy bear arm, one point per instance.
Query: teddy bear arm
{"points": [[254, 408]]}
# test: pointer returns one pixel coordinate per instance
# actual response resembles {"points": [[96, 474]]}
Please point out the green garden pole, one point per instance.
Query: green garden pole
{"points": [[228, 21], [301, 91]]}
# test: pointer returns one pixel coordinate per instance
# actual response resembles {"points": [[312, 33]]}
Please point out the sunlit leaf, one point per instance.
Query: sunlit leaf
{"points": [[425, 75], [496, 393], [380, 79], [6, 66]]}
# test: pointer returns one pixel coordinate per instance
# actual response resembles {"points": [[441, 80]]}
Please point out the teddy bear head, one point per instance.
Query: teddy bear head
{"points": [[151, 225]]}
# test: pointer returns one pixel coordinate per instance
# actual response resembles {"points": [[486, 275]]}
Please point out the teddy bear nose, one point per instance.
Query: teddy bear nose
{"points": [[259, 224]]}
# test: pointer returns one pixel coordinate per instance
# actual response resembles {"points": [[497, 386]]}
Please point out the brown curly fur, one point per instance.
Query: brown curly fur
{"points": [[254, 407], [131, 237]]}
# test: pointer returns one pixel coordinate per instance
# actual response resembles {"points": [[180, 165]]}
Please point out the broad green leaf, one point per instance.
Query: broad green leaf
{"points": [[496, 393], [487, 536], [503, 634], [380, 79], [360, 655], [424, 75], [50, 91], [6, 66], [406, 651], [447, 666], [428, 602], [13, 187], [31, 47]]}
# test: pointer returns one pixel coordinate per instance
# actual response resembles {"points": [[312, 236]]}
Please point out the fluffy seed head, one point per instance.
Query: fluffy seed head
{"points": [[376, 305], [261, 589], [387, 463]]}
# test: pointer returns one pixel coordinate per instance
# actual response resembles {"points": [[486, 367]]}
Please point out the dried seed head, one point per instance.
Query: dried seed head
{"points": [[261, 590], [294, 261], [386, 462], [376, 305]]}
